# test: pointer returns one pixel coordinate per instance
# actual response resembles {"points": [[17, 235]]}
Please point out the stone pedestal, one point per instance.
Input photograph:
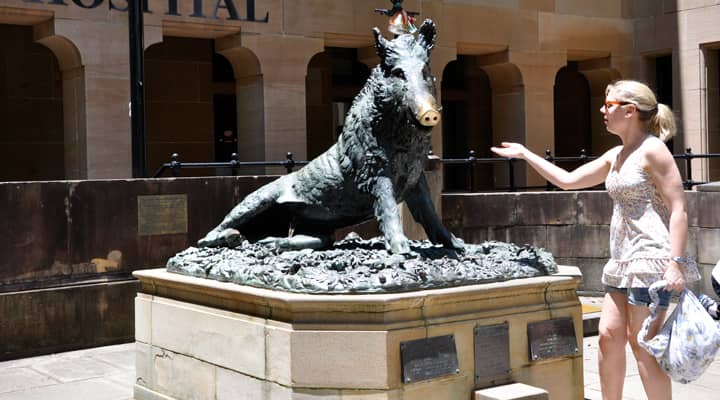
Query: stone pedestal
{"points": [[203, 339]]}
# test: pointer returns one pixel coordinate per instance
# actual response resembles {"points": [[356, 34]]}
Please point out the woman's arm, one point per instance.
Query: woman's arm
{"points": [[666, 176], [587, 175]]}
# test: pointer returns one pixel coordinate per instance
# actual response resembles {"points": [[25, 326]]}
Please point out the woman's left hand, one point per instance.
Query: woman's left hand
{"points": [[674, 277]]}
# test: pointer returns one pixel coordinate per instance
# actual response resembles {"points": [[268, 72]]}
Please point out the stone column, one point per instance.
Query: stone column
{"points": [[74, 123], [538, 73], [283, 61], [694, 128]]}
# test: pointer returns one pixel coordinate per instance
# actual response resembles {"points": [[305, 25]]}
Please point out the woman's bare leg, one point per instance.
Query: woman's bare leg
{"points": [[612, 338], [656, 383]]}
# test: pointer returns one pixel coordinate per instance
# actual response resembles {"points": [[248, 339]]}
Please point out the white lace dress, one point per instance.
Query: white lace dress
{"points": [[639, 233]]}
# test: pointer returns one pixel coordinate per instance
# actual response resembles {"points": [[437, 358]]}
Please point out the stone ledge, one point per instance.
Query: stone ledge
{"points": [[709, 187], [360, 309]]}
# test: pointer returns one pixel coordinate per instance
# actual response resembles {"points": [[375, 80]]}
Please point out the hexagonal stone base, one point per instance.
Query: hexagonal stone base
{"points": [[204, 339]]}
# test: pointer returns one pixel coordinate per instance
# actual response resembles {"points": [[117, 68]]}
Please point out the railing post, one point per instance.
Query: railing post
{"points": [[234, 163], [688, 168], [549, 158], [289, 162], [583, 155], [175, 164], [433, 162], [511, 170], [471, 160]]}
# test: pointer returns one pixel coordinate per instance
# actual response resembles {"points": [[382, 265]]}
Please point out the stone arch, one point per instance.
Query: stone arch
{"points": [[44, 127], [191, 103], [249, 94], [466, 123], [334, 77], [73, 78], [496, 96], [599, 74], [508, 111]]}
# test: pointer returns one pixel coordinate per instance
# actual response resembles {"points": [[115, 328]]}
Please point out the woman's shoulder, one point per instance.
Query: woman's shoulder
{"points": [[610, 155], [654, 142], [654, 146], [654, 151]]}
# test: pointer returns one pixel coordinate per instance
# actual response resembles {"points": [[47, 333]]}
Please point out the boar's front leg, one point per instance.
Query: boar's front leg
{"points": [[227, 234], [422, 210], [388, 215]]}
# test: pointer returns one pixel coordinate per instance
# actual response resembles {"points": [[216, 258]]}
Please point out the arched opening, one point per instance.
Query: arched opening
{"points": [[572, 114], [467, 124], [598, 74], [334, 78], [32, 140], [659, 75], [190, 104]]}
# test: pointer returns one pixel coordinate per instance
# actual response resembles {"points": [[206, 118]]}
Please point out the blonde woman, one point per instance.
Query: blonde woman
{"points": [[648, 230]]}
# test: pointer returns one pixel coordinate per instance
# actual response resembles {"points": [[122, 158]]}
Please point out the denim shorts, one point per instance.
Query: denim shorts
{"points": [[641, 296]]}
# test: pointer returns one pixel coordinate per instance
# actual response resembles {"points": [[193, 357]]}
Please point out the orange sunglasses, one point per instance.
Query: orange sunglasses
{"points": [[609, 103]]}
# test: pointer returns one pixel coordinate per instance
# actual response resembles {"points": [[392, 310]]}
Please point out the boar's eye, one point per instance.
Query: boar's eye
{"points": [[398, 73]]}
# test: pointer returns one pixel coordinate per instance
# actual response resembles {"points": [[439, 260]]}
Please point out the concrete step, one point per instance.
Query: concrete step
{"points": [[591, 307]]}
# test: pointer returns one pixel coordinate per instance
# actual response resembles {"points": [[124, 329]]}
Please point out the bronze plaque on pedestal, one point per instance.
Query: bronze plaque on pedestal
{"points": [[492, 354], [428, 358], [162, 214], [552, 338]]}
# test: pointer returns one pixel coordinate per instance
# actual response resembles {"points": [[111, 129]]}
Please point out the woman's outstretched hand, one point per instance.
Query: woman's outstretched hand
{"points": [[510, 150]]}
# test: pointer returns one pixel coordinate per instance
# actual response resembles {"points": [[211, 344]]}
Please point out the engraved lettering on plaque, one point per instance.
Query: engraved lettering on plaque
{"points": [[428, 358], [162, 214], [552, 338], [492, 354]]}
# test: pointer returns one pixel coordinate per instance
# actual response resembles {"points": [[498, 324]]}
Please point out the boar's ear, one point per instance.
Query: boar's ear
{"points": [[427, 34], [380, 44]]}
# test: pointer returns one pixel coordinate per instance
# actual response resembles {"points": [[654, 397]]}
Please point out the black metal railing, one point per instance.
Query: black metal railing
{"points": [[175, 165], [434, 162]]}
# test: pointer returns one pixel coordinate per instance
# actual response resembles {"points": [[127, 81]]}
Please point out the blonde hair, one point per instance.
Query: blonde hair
{"points": [[660, 118]]}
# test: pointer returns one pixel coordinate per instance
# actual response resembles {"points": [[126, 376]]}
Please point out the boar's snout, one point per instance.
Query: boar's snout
{"points": [[427, 114], [429, 118]]}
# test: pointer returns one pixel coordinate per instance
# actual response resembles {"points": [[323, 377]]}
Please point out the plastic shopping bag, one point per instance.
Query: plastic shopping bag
{"points": [[687, 342]]}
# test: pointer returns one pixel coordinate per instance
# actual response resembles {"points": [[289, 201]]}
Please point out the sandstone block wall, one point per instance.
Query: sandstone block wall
{"points": [[574, 226]]}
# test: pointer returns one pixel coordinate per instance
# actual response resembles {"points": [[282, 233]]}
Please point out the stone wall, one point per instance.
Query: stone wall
{"points": [[574, 226], [69, 248]]}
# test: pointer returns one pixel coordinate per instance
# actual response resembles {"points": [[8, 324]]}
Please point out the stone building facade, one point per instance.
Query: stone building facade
{"points": [[264, 77]]}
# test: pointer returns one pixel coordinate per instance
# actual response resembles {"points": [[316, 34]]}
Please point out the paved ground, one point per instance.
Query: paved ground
{"points": [[108, 373], [102, 373], [705, 388]]}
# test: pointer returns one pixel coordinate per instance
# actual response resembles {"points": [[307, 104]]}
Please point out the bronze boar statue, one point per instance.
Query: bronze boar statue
{"points": [[377, 162]]}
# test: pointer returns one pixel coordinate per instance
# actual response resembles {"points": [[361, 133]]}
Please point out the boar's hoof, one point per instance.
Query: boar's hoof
{"points": [[399, 245], [225, 238]]}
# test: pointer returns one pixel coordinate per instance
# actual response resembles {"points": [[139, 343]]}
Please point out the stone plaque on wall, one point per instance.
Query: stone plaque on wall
{"points": [[492, 354], [552, 338], [428, 358], [162, 214]]}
